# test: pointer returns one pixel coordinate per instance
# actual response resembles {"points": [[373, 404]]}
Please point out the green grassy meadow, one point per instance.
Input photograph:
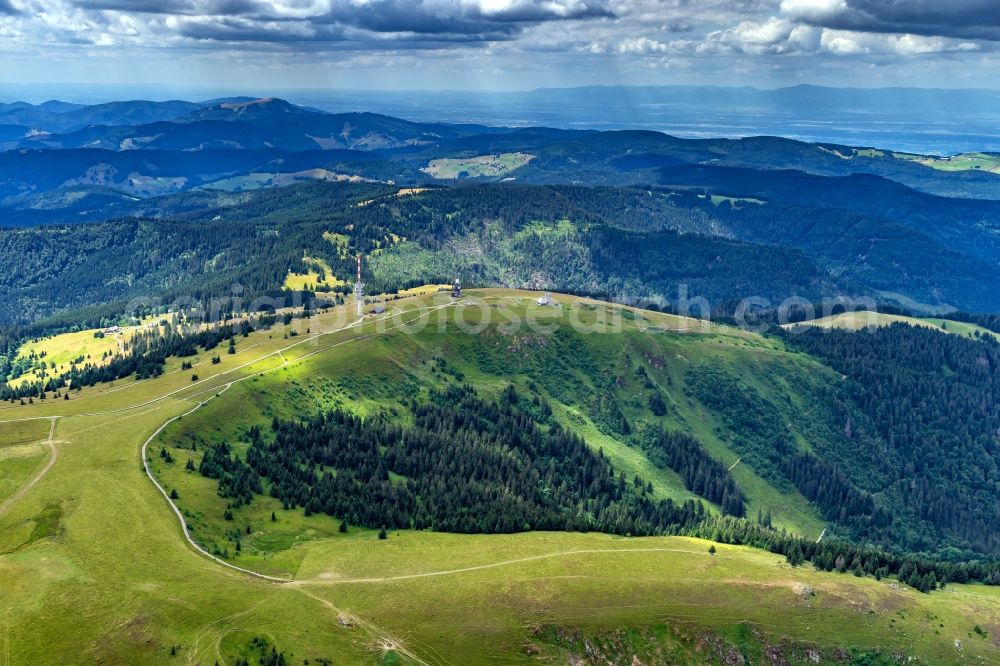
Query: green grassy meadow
{"points": [[312, 278], [58, 352], [94, 567], [963, 162], [18, 463], [858, 320], [447, 168]]}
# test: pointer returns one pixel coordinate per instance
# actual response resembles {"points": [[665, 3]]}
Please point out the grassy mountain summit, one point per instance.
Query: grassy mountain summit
{"points": [[802, 443], [363, 599]]}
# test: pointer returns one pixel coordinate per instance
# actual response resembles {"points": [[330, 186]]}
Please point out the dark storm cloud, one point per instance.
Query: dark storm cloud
{"points": [[227, 30], [307, 37], [401, 22], [138, 6], [389, 16], [532, 12], [427, 16], [176, 7], [962, 19]]}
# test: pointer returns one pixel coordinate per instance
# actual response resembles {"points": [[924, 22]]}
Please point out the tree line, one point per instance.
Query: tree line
{"points": [[464, 465], [702, 474], [146, 354]]}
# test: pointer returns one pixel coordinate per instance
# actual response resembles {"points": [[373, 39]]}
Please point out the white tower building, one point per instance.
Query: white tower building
{"points": [[359, 292]]}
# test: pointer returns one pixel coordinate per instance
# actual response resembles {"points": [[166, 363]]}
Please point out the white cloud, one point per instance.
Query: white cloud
{"points": [[842, 43], [642, 45], [845, 42], [812, 10], [771, 36], [783, 36], [769, 33], [805, 38], [919, 45]]}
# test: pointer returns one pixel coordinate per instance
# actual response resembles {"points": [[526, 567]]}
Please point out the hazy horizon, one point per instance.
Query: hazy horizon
{"points": [[97, 93], [925, 120]]}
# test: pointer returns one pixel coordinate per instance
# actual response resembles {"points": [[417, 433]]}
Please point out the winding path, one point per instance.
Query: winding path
{"points": [[492, 565], [50, 442]]}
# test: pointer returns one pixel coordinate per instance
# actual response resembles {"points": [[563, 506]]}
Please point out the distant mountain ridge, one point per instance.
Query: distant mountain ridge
{"points": [[404, 148], [934, 121], [55, 116], [266, 123], [909, 228], [265, 108]]}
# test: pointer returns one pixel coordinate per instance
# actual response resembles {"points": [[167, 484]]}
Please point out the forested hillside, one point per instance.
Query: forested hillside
{"points": [[934, 400], [631, 243], [260, 239], [631, 214], [622, 243], [468, 465], [966, 225], [627, 243]]}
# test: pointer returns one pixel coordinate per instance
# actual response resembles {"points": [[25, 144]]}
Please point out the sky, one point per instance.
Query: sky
{"points": [[257, 45]]}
